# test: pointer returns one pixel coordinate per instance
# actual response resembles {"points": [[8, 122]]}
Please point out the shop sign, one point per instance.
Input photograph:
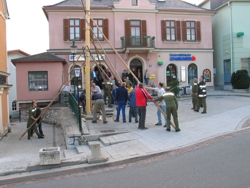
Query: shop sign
{"points": [[82, 57], [182, 57]]}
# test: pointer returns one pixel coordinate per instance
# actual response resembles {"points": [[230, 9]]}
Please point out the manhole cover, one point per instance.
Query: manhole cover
{"points": [[107, 131]]}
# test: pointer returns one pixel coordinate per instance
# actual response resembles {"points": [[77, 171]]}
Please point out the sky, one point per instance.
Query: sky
{"points": [[27, 28]]}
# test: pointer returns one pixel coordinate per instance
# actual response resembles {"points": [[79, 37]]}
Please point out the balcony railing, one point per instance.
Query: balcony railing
{"points": [[138, 41]]}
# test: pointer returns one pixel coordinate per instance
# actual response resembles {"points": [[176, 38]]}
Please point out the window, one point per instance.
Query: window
{"points": [[98, 33], [245, 64], [192, 73], [134, 2], [170, 30], [191, 31], [14, 106], [135, 33], [38, 81], [74, 29]]}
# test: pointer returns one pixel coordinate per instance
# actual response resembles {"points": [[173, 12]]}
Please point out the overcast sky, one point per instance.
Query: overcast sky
{"points": [[27, 28]]}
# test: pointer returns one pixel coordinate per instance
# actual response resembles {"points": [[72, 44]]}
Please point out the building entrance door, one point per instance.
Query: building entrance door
{"points": [[136, 68], [171, 73], [227, 72]]}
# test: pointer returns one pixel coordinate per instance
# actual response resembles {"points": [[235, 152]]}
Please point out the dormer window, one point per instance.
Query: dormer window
{"points": [[134, 2]]}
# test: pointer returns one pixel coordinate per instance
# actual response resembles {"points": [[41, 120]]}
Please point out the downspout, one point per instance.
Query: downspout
{"points": [[231, 36]]}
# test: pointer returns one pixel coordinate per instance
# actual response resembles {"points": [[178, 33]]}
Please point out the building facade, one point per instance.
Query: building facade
{"points": [[231, 39], [4, 86], [13, 103], [38, 77], [170, 38]]}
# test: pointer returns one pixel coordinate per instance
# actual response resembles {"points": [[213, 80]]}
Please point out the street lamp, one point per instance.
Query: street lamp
{"points": [[73, 49]]}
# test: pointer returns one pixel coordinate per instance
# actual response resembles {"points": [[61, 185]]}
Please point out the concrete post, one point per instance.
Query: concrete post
{"points": [[96, 155]]}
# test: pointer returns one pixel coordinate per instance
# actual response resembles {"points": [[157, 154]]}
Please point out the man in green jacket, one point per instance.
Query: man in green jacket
{"points": [[171, 107]]}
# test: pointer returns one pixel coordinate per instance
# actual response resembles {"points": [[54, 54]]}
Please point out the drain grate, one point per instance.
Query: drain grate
{"points": [[107, 131]]}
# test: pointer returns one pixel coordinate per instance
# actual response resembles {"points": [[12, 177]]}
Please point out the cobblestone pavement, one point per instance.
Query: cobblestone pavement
{"points": [[225, 114]]}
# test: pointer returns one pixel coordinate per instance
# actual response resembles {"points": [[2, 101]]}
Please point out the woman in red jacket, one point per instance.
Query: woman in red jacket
{"points": [[141, 102]]}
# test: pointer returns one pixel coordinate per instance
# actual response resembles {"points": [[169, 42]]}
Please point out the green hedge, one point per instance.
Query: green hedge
{"points": [[240, 79]]}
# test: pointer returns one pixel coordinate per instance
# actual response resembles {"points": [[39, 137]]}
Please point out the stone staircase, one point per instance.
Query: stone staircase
{"points": [[77, 143]]}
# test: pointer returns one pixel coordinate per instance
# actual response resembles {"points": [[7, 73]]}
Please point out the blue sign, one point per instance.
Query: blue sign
{"points": [[182, 57]]}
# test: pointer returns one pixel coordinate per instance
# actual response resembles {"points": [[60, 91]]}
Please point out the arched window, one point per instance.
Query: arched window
{"points": [[136, 68], [14, 108], [192, 73], [171, 73], [207, 75]]}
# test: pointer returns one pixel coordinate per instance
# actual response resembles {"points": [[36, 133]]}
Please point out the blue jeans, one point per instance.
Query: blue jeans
{"points": [[146, 81], [121, 105], [114, 94], [159, 114]]}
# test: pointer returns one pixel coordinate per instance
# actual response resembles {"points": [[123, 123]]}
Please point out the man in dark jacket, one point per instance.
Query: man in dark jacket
{"points": [[132, 106], [202, 94], [121, 100], [194, 93]]}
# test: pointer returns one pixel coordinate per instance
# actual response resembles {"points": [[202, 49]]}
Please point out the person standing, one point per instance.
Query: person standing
{"points": [[121, 100], [82, 100], [107, 89], [160, 91], [141, 102], [132, 106], [172, 108], [95, 88], [93, 76], [202, 94], [146, 77], [98, 101], [194, 94], [124, 75], [32, 121], [39, 120]]}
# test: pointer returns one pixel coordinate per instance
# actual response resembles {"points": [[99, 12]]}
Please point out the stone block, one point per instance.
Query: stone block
{"points": [[96, 155], [70, 141], [50, 156]]}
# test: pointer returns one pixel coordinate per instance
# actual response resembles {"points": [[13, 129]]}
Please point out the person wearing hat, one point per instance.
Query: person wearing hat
{"points": [[202, 94]]}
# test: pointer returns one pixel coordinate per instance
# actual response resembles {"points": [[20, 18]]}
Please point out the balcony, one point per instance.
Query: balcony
{"points": [[138, 42]]}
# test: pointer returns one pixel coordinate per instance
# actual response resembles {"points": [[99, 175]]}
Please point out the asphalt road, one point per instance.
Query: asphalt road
{"points": [[225, 163]]}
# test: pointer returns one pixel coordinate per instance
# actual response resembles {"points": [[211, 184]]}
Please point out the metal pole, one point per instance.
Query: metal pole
{"points": [[74, 76], [87, 74]]}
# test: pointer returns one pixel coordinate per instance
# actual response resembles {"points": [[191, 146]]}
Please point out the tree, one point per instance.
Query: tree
{"points": [[240, 79], [174, 85]]}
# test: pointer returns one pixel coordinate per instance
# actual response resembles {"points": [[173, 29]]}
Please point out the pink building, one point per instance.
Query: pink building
{"points": [[39, 77], [170, 38]]}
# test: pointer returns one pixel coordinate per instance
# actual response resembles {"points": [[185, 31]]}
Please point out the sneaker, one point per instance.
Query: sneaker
{"points": [[105, 122], [116, 120], [168, 130], [40, 137], [94, 121], [165, 126], [196, 111], [144, 128], [203, 112]]}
